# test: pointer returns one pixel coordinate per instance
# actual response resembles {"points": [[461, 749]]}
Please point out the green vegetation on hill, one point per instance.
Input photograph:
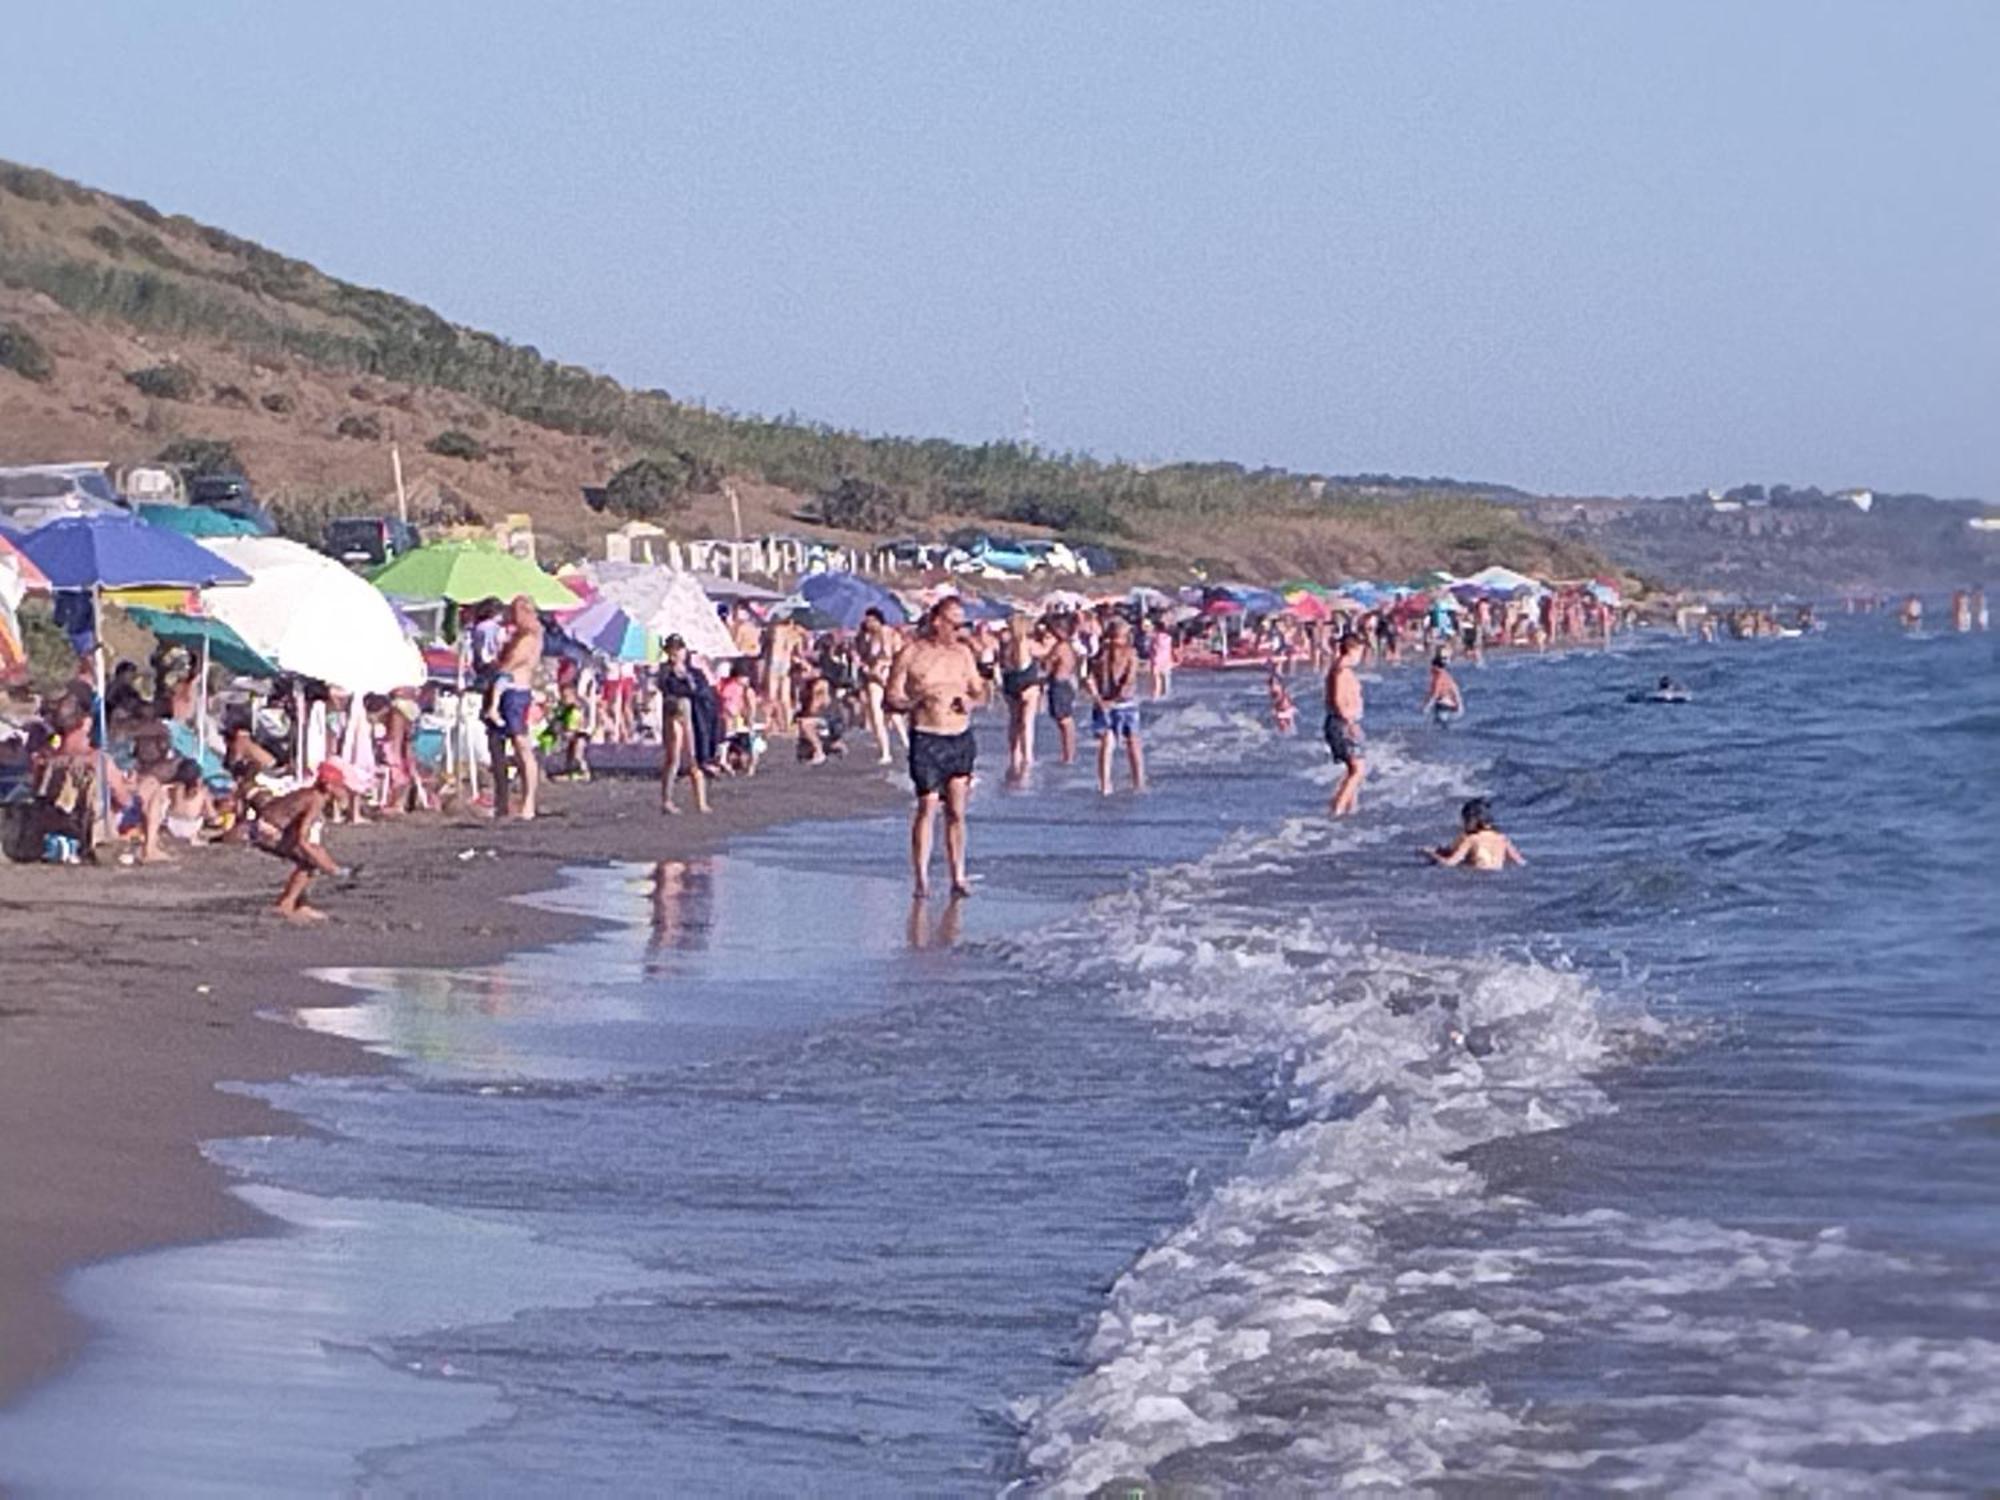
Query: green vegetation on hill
{"points": [[118, 260]]}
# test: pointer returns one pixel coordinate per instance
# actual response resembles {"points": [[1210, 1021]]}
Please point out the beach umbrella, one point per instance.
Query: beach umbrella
{"points": [[89, 554], [1308, 606], [733, 591], [313, 617], [847, 597], [86, 553], [607, 629], [1503, 581], [1293, 586], [203, 635], [467, 572], [19, 577], [1068, 601], [201, 521], [978, 609]]}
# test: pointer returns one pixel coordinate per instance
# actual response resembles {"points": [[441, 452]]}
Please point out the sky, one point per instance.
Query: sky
{"points": [[1579, 247]]}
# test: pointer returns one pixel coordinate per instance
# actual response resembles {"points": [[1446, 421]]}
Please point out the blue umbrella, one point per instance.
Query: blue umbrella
{"points": [[119, 552], [89, 554], [846, 598], [606, 628]]}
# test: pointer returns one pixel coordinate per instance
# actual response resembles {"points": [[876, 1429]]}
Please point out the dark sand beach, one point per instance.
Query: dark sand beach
{"points": [[127, 994]]}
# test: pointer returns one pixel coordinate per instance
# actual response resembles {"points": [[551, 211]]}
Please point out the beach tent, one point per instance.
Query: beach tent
{"points": [[847, 597], [314, 618], [467, 572]]}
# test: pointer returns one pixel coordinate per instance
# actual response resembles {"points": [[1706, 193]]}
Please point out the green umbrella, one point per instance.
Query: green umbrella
{"points": [[224, 645], [467, 572], [1304, 586], [196, 520]]}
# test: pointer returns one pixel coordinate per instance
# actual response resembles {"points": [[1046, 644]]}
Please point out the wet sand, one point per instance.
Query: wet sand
{"points": [[127, 994]]}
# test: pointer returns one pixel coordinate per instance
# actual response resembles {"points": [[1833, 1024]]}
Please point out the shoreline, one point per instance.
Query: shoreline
{"points": [[133, 992]]}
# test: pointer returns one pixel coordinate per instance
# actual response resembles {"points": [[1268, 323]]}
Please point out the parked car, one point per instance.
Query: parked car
{"points": [[230, 494], [370, 540], [37, 493]]}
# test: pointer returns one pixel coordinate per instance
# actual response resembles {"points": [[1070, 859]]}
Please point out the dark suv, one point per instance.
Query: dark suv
{"points": [[368, 539], [230, 494]]}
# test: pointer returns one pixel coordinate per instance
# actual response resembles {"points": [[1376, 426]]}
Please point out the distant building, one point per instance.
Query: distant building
{"points": [[1984, 523], [1861, 500]]}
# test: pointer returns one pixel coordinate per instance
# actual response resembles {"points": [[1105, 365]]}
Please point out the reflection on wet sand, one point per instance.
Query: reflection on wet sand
{"points": [[683, 906], [922, 934]]}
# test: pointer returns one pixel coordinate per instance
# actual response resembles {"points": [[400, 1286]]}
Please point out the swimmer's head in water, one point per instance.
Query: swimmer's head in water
{"points": [[1476, 816]]}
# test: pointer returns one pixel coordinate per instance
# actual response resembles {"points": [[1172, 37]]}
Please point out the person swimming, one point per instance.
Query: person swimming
{"points": [[1665, 691], [1479, 844]]}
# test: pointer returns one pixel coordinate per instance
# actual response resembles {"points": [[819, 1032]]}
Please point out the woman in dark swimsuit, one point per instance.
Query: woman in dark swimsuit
{"points": [[1021, 680]]}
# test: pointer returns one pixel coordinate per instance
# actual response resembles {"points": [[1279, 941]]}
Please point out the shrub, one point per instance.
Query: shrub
{"points": [[165, 382], [360, 392], [856, 504], [196, 456], [365, 426], [22, 352], [451, 443], [231, 395], [651, 488], [107, 239], [275, 401]]}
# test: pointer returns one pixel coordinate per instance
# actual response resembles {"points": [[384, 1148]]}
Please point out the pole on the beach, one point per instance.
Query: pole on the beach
{"points": [[201, 702], [402, 499], [103, 723]]}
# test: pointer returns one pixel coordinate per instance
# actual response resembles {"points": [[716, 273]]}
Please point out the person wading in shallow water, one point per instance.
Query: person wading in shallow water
{"points": [[1343, 724], [935, 680]]}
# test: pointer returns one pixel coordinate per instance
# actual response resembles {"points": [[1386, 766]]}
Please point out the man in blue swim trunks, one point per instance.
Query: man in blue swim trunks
{"points": [[512, 737], [1113, 679], [935, 680]]}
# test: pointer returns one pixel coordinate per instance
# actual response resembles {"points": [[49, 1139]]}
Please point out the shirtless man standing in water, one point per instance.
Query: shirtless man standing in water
{"points": [[935, 680], [1343, 724], [514, 673]]}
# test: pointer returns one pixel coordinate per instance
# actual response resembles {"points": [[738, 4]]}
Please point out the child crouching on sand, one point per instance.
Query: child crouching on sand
{"points": [[293, 827], [1479, 844]]}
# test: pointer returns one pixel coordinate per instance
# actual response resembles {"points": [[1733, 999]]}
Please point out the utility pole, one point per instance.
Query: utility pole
{"points": [[1027, 419], [402, 500]]}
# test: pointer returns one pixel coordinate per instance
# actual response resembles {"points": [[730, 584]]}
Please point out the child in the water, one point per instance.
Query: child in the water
{"points": [[1284, 713], [1442, 702], [1479, 844]]}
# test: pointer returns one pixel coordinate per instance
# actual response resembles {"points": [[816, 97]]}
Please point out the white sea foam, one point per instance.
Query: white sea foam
{"points": [[1321, 1320]]}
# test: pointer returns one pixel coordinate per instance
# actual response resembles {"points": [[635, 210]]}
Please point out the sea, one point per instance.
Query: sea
{"points": [[1213, 1147]]}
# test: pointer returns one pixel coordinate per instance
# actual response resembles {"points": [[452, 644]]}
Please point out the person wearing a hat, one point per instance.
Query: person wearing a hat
{"points": [[293, 827]]}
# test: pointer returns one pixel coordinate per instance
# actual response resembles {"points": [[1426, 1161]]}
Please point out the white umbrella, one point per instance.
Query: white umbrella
{"points": [[665, 603], [311, 616]]}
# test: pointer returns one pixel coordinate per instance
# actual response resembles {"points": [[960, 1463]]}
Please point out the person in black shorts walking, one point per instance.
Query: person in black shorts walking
{"points": [[936, 681]]}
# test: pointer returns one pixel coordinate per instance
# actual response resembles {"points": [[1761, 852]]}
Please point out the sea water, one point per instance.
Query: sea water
{"points": [[1213, 1144]]}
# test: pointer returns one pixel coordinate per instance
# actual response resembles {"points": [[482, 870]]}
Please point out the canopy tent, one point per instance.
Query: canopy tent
{"points": [[197, 632], [314, 618], [847, 597], [1499, 580], [468, 572], [202, 521]]}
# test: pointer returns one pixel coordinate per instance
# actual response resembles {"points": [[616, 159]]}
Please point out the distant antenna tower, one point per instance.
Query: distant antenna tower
{"points": [[1027, 419]]}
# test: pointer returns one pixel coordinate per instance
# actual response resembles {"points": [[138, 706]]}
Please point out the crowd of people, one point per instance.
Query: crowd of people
{"points": [[148, 769]]}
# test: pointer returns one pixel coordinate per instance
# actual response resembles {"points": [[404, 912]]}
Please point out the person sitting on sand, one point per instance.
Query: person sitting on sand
{"points": [[293, 828], [1442, 702], [189, 806], [1479, 844]]}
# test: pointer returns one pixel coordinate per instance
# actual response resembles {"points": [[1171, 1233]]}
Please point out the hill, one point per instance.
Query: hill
{"points": [[133, 329]]}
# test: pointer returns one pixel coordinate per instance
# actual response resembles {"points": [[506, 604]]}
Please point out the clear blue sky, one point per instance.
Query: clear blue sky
{"points": [[1587, 247]]}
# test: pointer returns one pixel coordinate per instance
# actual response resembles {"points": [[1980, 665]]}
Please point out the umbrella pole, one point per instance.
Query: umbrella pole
{"points": [[103, 724], [201, 702]]}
